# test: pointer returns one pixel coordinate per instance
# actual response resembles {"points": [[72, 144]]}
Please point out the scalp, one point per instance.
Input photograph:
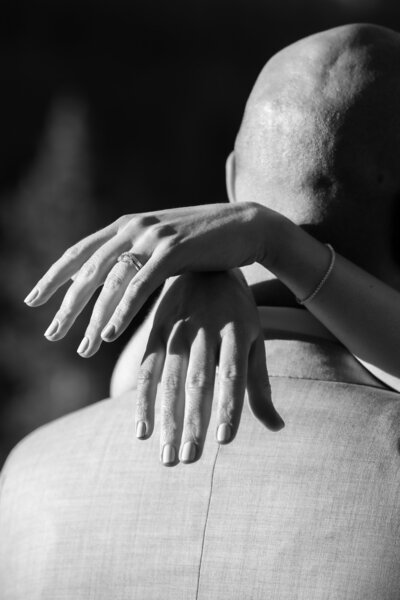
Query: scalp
{"points": [[320, 137]]}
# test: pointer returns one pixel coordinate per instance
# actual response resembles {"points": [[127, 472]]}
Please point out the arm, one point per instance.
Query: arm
{"points": [[359, 309]]}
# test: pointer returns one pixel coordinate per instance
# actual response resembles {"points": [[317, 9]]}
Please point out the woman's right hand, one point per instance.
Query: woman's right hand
{"points": [[204, 323]]}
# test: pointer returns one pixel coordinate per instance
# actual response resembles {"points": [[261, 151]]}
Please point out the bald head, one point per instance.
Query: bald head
{"points": [[320, 139]]}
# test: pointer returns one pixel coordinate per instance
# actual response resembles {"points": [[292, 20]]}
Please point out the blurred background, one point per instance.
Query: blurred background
{"points": [[107, 108]]}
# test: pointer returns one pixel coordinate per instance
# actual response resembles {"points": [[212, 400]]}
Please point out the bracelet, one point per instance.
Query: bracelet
{"points": [[323, 280]]}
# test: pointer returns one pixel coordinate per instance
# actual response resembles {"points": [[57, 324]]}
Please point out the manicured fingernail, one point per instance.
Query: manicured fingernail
{"points": [[168, 454], [141, 429], [52, 329], [32, 296], [108, 332], [188, 452], [83, 346], [224, 433]]}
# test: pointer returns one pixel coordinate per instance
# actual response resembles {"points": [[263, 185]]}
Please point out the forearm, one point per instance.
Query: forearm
{"points": [[360, 310]]}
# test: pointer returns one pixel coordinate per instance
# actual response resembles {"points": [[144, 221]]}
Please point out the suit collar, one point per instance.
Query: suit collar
{"points": [[298, 346]]}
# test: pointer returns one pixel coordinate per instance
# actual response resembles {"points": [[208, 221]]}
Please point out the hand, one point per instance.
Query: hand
{"points": [[213, 237], [203, 321]]}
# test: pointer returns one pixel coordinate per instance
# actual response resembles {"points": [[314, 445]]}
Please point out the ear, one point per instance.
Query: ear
{"points": [[230, 174]]}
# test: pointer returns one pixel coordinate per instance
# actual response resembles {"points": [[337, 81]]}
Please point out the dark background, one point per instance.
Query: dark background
{"points": [[109, 108]]}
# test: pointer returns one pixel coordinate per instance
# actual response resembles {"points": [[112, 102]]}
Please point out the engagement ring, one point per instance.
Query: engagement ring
{"points": [[131, 259]]}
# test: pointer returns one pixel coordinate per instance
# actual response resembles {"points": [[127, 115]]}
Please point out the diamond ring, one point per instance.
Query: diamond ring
{"points": [[130, 259]]}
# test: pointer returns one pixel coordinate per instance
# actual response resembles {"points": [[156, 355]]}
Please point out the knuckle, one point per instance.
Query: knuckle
{"points": [[123, 309], [231, 374], [136, 284], [164, 231], [50, 276], [192, 433], [122, 220], [144, 378], [160, 231], [171, 382], [146, 221], [198, 381], [141, 407], [169, 422], [193, 422], [119, 316], [168, 249], [72, 251], [64, 313], [227, 411], [96, 321], [113, 281], [47, 280], [88, 270]]}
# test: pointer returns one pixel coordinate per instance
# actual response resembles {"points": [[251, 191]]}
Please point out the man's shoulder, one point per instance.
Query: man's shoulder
{"points": [[75, 433]]}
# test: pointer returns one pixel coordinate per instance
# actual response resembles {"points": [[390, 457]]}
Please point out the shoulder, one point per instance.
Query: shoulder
{"points": [[66, 442]]}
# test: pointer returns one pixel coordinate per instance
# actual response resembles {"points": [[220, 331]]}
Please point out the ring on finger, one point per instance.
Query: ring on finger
{"points": [[131, 259]]}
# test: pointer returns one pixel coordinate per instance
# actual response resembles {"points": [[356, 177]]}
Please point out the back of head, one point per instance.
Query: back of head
{"points": [[320, 140]]}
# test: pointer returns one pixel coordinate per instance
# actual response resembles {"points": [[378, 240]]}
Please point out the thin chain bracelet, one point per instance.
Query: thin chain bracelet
{"points": [[323, 280]]}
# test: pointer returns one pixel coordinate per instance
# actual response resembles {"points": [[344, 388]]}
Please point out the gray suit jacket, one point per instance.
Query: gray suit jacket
{"points": [[312, 512]]}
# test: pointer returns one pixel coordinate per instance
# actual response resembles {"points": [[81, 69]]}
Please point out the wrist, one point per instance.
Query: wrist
{"points": [[297, 259], [275, 231]]}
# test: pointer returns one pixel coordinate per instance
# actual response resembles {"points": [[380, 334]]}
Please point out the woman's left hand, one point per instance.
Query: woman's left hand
{"points": [[215, 237]]}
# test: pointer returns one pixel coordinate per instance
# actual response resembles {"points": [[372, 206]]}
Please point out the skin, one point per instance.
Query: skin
{"points": [[195, 328], [179, 240], [320, 140], [302, 128]]}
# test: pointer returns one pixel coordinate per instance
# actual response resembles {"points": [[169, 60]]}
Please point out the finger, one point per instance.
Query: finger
{"points": [[148, 377], [90, 277], [232, 377], [199, 390], [259, 389], [113, 289], [173, 396], [154, 272], [67, 266]]}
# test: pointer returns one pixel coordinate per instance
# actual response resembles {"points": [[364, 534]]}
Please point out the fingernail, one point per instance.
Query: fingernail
{"points": [[32, 296], [168, 454], [108, 332], [224, 433], [188, 452], [83, 346], [141, 429], [52, 329]]}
